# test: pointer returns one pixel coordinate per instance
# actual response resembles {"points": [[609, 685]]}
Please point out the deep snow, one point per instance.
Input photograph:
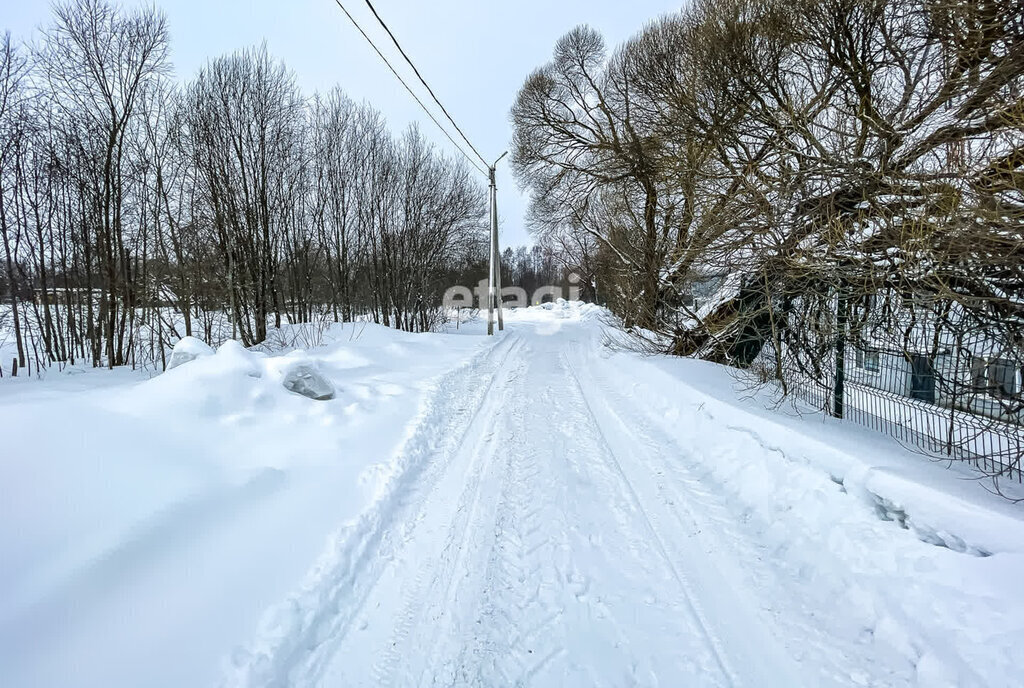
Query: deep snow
{"points": [[537, 508]]}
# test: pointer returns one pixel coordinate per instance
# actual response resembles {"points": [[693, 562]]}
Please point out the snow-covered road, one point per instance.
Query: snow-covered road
{"points": [[555, 514], [543, 545]]}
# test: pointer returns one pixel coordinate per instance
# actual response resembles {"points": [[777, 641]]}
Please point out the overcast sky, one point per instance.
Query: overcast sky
{"points": [[474, 54]]}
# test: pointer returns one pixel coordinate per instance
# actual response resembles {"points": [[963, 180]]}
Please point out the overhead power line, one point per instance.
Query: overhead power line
{"points": [[494, 295], [414, 96], [424, 82]]}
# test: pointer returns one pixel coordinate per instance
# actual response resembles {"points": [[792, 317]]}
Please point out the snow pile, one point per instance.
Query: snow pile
{"points": [[579, 310], [560, 305], [238, 385], [188, 349]]}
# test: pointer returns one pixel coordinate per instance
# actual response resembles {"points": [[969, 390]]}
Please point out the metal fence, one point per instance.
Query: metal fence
{"points": [[956, 405]]}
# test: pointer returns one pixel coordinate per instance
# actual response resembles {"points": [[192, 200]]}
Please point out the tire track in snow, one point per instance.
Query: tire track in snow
{"points": [[713, 642], [437, 606], [521, 577], [538, 572], [568, 617], [297, 636], [435, 534], [713, 575], [547, 610]]}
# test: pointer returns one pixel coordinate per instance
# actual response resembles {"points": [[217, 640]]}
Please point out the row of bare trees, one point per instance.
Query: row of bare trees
{"points": [[135, 210], [758, 175]]}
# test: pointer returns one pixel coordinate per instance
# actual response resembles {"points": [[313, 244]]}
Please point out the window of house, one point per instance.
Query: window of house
{"points": [[868, 360], [979, 374], [1002, 378], [997, 377]]}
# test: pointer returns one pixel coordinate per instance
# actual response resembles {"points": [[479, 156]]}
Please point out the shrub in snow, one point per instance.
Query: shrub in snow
{"points": [[303, 377], [188, 349]]}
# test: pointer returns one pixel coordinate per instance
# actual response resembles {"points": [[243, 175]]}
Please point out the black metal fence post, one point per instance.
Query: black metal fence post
{"points": [[838, 390]]}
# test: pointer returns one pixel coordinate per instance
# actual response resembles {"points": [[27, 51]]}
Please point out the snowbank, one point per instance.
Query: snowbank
{"points": [[921, 564], [137, 514]]}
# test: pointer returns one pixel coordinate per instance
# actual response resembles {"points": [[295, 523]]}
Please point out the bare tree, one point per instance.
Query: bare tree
{"points": [[13, 68], [244, 117], [97, 62]]}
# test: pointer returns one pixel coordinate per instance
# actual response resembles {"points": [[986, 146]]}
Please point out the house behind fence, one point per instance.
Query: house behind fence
{"points": [[952, 392]]}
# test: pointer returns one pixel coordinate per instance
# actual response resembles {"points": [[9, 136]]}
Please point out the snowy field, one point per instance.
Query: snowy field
{"points": [[537, 508]]}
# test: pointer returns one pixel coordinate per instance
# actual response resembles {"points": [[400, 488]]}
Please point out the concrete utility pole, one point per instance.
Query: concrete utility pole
{"points": [[494, 278]]}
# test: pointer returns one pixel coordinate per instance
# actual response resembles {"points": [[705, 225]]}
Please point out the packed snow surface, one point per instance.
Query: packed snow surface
{"points": [[537, 508]]}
